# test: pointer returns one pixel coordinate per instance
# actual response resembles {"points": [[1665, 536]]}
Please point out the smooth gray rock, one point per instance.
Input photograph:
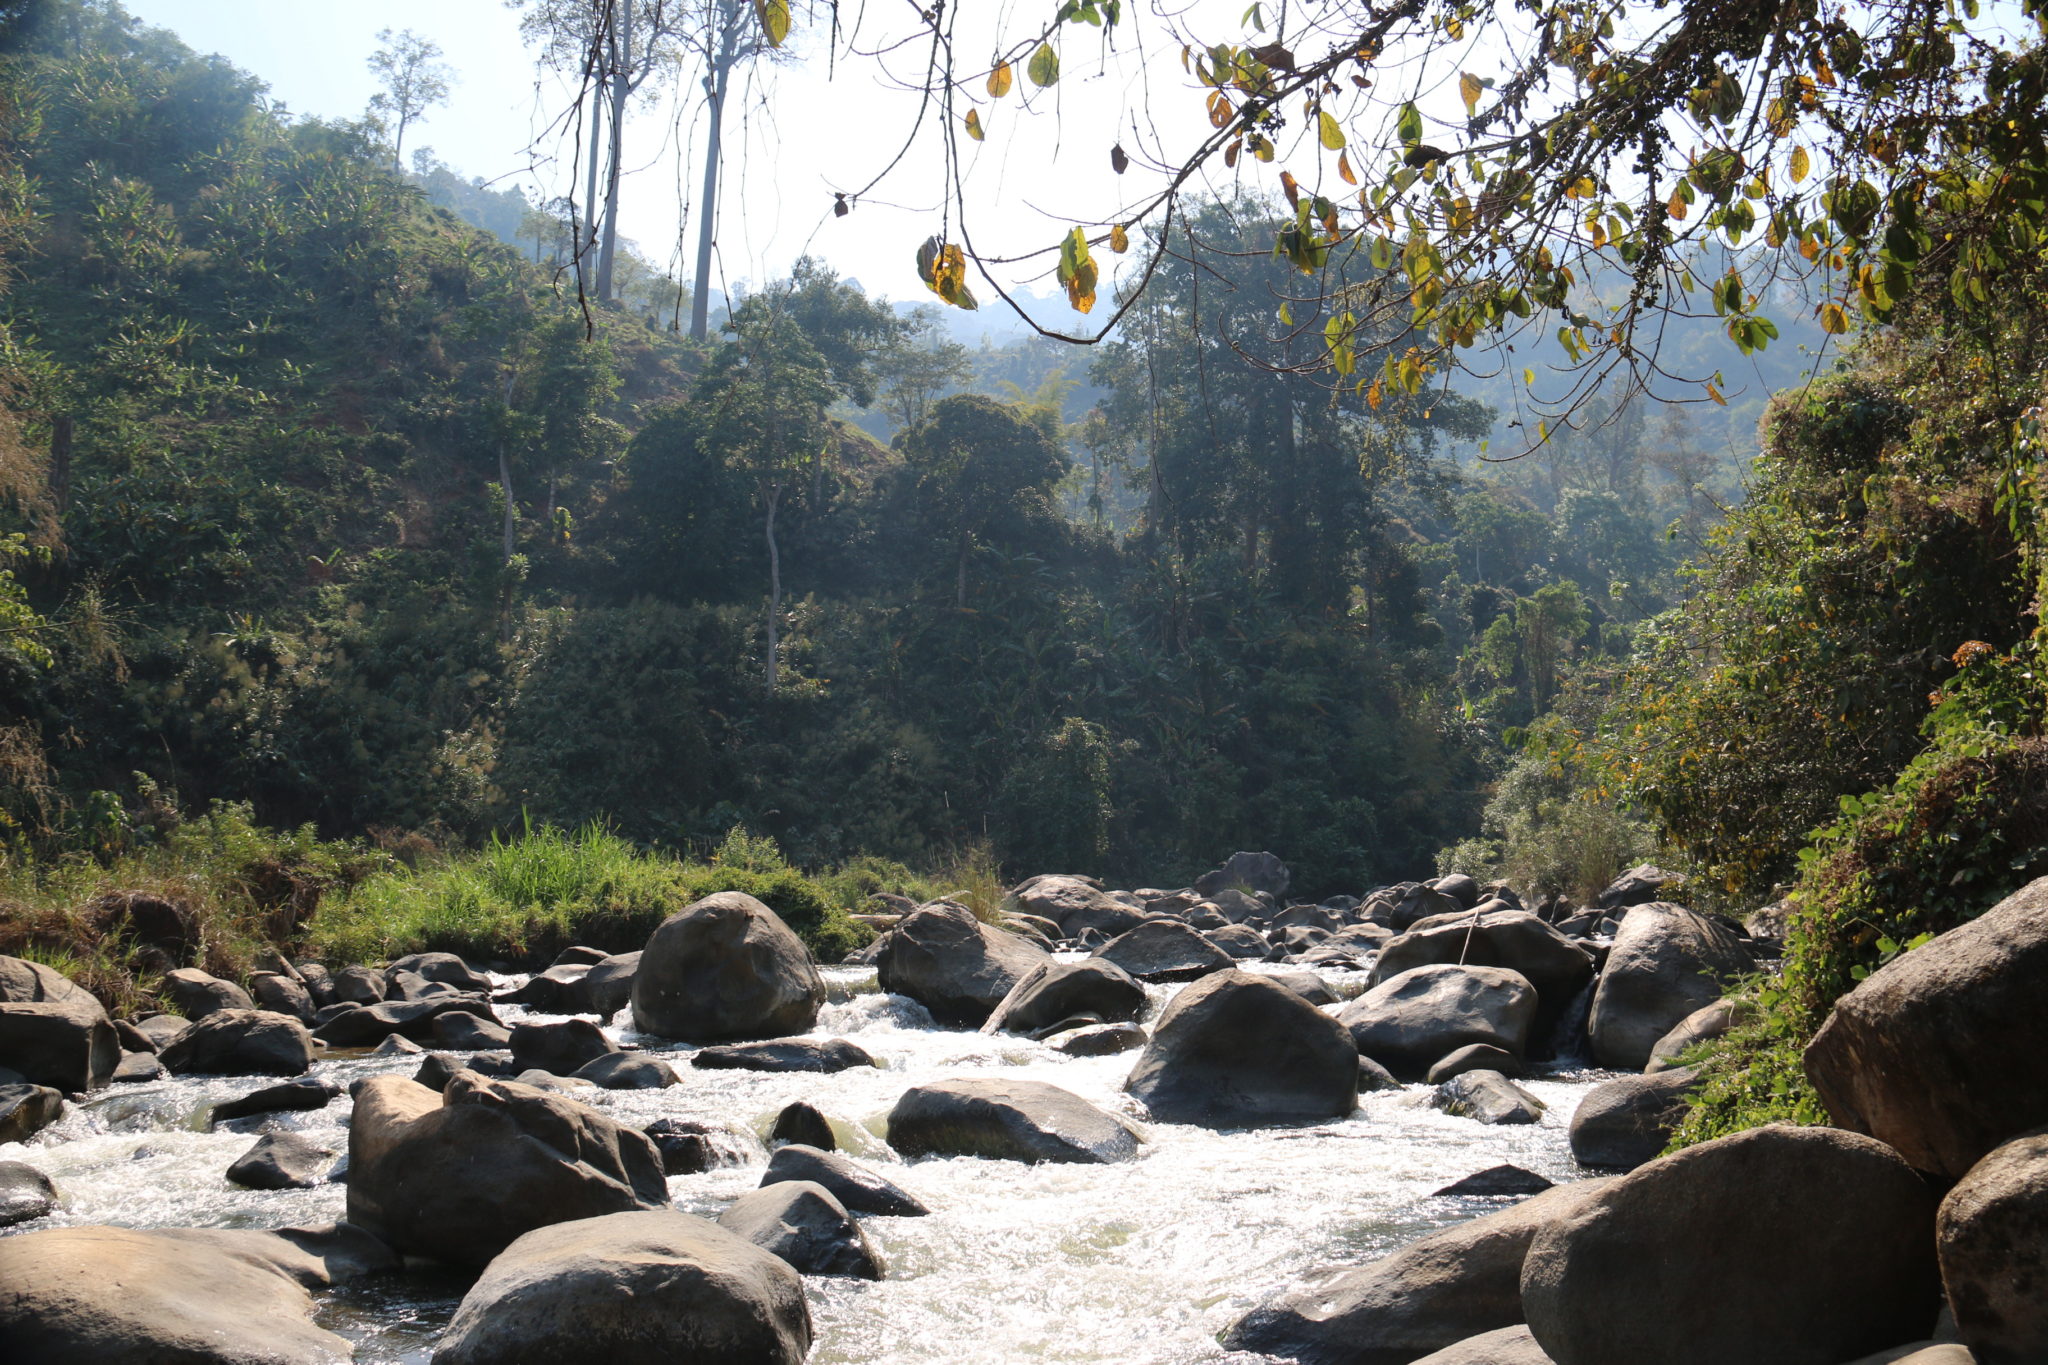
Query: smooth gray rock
{"points": [[1703, 1025], [1054, 991], [136, 1067], [1237, 1050], [1164, 950], [368, 1025], [802, 1222], [1487, 1097], [860, 1189], [1667, 961], [1475, 1057], [1412, 1021], [725, 969], [398, 1045], [558, 1045], [1497, 1180], [445, 969], [1010, 1120], [692, 1146], [1512, 939], [282, 994], [25, 1193], [197, 994], [26, 1110], [461, 1031], [1508, 1346], [1241, 941], [823, 1055], [231, 1042], [53, 1031], [161, 1029], [1629, 1121], [954, 965], [1097, 1040], [804, 1123], [1253, 872], [360, 986], [308, 1092], [1992, 1239], [282, 1161], [627, 1071]]}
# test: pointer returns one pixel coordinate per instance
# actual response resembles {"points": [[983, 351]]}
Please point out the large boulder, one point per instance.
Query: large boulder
{"points": [[558, 1045], [198, 994], [1628, 1121], [1433, 1293], [1943, 1052], [459, 1175], [1778, 1246], [724, 969], [805, 1224], [281, 994], [1992, 1238], [1703, 1025], [1667, 961], [1241, 941], [954, 965], [1237, 1050], [53, 1031], [369, 1025], [1053, 992], [607, 987], [822, 1055], [122, 1296], [1410, 1022], [241, 1043], [1253, 872], [1164, 950], [1075, 904], [1007, 1120], [446, 968], [1515, 939], [1413, 903], [1640, 885], [852, 1184], [632, 1289]]}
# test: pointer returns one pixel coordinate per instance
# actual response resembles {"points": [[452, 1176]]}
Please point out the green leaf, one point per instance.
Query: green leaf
{"points": [[1409, 124], [1044, 69]]}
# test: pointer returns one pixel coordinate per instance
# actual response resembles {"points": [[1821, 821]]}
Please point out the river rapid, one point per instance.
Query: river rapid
{"points": [[1137, 1263]]}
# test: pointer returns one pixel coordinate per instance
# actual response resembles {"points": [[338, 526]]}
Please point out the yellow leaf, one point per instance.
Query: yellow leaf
{"points": [[1833, 320], [1373, 396], [1676, 208], [1344, 171], [1332, 135], [1119, 240], [974, 124], [1715, 394], [1470, 88], [774, 17], [999, 80], [1801, 164]]}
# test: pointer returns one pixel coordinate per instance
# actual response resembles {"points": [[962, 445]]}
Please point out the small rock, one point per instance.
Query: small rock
{"points": [[25, 1193], [1487, 1097], [627, 1071], [137, 1066], [800, 1122], [398, 1045], [784, 1054], [801, 1221], [1475, 1057], [26, 1110], [1097, 1040], [1497, 1180], [691, 1146], [281, 1161], [310, 1092], [854, 1185]]}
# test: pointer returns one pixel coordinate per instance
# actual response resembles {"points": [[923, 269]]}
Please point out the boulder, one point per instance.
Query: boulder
{"points": [[1508, 1346], [1992, 1239], [1241, 941], [137, 1066], [692, 1146], [25, 1193], [1310, 986], [558, 990], [1075, 904], [725, 969], [627, 1071], [631, 1289], [803, 1223], [282, 1161], [197, 994], [435, 1070], [122, 1296], [1638, 886], [1164, 950], [318, 981], [824, 1055], [465, 1032], [1253, 872], [1942, 1052], [1373, 1078], [607, 987], [805, 1123], [368, 1025], [579, 956], [1495, 1181], [954, 965], [1237, 1050], [1054, 991], [1410, 1022], [459, 1175], [1667, 961], [1097, 1040], [1627, 1122], [282, 995], [1435, 1292], [1238, 908], [161, 1030], [1475, 1057], [558, 1045], [1417, 902], [241, 1043], [398, 1045], [308, 1092], [1776, 1246], [1514, 939], [852, 1184], [53, 1031], [26, 1110], [1007, 1120], [1486, 1097], [445, 968], [1459, 887], [1704, 1024], [360, 986]]}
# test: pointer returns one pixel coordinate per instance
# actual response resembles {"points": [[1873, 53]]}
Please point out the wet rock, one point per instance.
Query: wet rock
{"points": [[282, 995], [1512, 939], [309, 1092], [1435, 1292], [121, 1296], [1508, 1346], [572, 1086], [953, 964], [1237, 1050], [1410, 1022], [1667, 961], [1486, 1097], [1372, 1077], [1475, 1057], [1943, 1052], [1253, 872], [26, 1110], [1053, 991], [558, 1045], [803, 1223], [197, 994], [1842, 1265], [852, 1184], [1992, 1237], [607, 987], [725, 969], [1627, 1122], [1164, 950], [558, 990], [1497, 1180], [25, 1193], [136, 1067], [804, 1123], [1097, 1040], [1008, 1120], [457, 1176], [53, 1031], [630, 1287], [823, 1055], [444, 968], [241, 1043], [282, 1161], [368, 1025], [691, 1146], [1241, 941], [1703, 1025], [627, 1071], [398, 1045]]}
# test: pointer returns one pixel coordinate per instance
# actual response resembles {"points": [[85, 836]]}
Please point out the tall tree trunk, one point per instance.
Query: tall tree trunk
{"points": [[715, 79], [772, 495], [622, 91], [582, 243]]}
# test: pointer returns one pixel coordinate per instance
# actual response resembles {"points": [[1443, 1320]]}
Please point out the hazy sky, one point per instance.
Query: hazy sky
{"points": [[804, 135]]}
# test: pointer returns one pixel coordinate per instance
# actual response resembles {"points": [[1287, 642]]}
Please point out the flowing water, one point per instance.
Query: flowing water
{"points": [[1137, 1263]]}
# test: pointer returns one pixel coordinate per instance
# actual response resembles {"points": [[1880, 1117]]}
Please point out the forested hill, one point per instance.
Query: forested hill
{"points": [[333, 504]]}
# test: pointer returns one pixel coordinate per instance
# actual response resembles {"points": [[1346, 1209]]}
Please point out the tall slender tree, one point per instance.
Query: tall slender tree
{"points": [[414, 80]]}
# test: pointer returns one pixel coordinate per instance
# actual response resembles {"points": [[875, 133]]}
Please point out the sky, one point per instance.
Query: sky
{"points": [[805, 129]]}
